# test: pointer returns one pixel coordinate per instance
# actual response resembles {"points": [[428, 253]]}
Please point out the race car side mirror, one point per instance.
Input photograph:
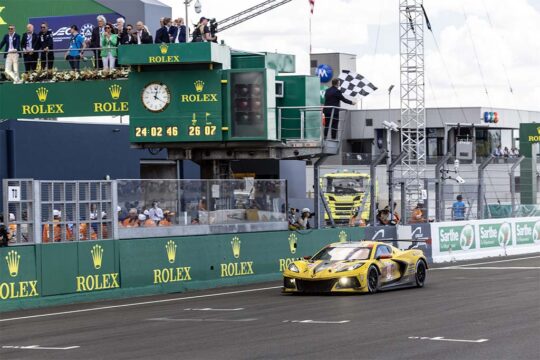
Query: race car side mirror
{"points": [[307, 257], [385, 256]]}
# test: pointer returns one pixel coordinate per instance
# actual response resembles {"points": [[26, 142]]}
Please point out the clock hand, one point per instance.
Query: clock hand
{"points": [[160, 99]]}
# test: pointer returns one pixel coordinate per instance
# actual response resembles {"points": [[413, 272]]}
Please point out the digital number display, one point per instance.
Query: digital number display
{"points": [[156, 131], [207, 130], [174, 131]]}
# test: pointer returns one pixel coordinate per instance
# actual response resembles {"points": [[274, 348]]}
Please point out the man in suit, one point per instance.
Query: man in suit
{"points": [[130, 38], [332, 100], [141, 35], [162, 34], [178, 31], [95, 40], [29, 45], [45, 45], [11, 43], [122, 32]]}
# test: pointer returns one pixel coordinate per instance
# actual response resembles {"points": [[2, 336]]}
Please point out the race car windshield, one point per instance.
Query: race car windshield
{"points": [[343, 253]]}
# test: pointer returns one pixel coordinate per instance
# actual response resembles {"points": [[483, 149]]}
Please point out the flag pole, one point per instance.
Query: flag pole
{"points": [[310, 44]]}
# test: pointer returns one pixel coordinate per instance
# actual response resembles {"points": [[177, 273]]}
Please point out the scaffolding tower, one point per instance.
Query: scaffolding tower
{"points": [[413, 118]]}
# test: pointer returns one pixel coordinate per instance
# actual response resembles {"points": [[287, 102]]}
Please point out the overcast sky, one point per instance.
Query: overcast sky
{"points": [[506, 35]]}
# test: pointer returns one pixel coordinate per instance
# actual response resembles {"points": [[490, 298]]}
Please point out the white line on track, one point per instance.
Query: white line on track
{"points": [[202, 320], [487, 262], [212, 309], [440, 338], [140, 303], [316, 321], [37, 347], [492, 268]]}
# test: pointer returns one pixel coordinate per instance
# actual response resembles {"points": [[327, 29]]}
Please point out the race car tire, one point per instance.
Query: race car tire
{"points": [[420, 275], [372, 280]]}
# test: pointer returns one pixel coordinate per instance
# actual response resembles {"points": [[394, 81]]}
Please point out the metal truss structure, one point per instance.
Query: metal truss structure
{"points": [[413, 118]]}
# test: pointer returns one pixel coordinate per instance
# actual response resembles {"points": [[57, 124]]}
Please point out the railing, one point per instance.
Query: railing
{"points": [[309, 123], [66, 211], [42, 67]]}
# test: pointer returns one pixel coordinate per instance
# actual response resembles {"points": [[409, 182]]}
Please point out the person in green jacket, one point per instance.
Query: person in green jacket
{"points": [[109, 44]]}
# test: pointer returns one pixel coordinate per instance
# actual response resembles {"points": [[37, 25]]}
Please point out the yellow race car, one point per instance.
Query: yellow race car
{"points": [[363, 266]]}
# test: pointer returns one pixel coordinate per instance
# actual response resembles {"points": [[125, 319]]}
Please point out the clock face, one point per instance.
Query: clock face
{"points": [[156, 97]]}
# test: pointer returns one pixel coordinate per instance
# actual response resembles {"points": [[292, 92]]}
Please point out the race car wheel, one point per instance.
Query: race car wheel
{"points": [[420, 273], [373, 280]]}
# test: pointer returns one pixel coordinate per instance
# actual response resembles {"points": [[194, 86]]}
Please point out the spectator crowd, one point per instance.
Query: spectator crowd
{"points": [[37, 49]]}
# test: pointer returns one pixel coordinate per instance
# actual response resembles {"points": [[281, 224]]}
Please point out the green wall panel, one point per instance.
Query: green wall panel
{"points": [[64, 99], [194, 113], [82, 271], [59, 263], [18, 273], [184, 53]]}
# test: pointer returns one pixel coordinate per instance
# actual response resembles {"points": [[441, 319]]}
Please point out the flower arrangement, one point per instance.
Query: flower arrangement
{"points": [[55, 75]]}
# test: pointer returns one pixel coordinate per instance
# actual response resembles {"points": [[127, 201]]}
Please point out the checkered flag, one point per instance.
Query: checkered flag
{"points": [[353, 84]]}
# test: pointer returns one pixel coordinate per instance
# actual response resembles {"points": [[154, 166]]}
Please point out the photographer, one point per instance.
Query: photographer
{"points": [[4, 233], [202, 32]]}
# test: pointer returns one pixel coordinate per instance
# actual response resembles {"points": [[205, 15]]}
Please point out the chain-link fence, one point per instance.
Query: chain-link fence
{"points": [[491, 187]]}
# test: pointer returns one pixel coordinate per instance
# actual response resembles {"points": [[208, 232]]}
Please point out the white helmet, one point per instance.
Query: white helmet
{"points": [[304, 210]]}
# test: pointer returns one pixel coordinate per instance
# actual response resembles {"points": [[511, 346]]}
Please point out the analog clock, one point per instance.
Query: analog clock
{"points": [[156, 97]]}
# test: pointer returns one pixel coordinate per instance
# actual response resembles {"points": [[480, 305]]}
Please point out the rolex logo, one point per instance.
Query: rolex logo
{"points": [[115, 91], [42, 94], [171, 251], [235, 243], [97, 256], [538, 130], [2, 22], [13, 260], [342, 236], [292, 242], [199, 85], [164, 48]]}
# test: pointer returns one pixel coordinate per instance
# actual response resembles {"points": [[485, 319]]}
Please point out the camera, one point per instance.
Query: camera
{"points": [[213, 26]]}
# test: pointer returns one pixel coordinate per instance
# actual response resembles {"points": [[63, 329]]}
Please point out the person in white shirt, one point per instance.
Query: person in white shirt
{"points": [[10, 45], [155, 213]]}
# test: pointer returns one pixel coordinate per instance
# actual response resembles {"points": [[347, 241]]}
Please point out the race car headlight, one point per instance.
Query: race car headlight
{"points": [[349, 268], [293, 268]]}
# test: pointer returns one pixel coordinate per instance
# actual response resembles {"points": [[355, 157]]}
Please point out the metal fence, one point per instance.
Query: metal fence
{"points": [[65, 211], [76, 210], [489, 188]]}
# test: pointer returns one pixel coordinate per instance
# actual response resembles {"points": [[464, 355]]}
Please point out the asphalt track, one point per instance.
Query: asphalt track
{"points": [[478, 310]]}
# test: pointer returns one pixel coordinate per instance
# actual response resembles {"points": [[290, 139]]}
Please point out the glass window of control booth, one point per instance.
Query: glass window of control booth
{"points": [[487, 141], [247, 104]]}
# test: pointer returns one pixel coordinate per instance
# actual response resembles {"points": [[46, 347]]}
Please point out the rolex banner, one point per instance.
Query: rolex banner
{"points": [[64, 99]]}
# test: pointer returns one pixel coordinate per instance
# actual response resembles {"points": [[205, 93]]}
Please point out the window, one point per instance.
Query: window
{"points": [[314, 63], [383, 250], [369, 122]]}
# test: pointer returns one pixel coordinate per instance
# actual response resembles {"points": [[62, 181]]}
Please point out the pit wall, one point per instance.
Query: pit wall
{"points": [[465, 240], [62, 273]]}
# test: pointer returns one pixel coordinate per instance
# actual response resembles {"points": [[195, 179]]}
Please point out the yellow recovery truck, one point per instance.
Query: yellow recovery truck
{"points": [[345, 191]]}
